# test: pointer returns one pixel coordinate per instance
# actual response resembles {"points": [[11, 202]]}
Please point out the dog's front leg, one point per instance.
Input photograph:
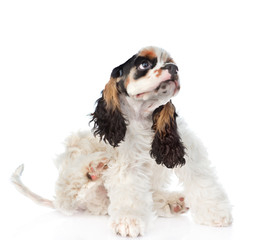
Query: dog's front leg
{"points": [[204, 194], [131, 202]]}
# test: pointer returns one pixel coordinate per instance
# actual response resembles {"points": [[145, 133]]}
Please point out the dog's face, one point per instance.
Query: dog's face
{"points": [[150, 74]]}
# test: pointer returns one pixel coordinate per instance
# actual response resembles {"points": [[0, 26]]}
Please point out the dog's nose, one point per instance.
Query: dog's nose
{"points": [[172, 68]]}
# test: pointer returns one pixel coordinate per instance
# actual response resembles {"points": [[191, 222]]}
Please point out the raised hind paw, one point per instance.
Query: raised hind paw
{"points": [[95, 169]]}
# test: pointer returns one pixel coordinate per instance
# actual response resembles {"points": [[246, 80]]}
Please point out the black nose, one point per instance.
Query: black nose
{"points": [[172, 68]]}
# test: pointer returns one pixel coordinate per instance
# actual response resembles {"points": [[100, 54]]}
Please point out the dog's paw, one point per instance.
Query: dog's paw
{"points": [[216, 216], [177, 205], [128, 226], [95, 169], [169, 204]]}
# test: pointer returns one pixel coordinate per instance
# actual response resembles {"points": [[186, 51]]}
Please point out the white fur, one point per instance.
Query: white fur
{"points": [[149, 83], [133, 188], [136, 185]]}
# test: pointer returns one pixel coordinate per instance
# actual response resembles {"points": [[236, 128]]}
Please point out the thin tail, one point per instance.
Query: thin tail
{"points": [[16, 180]]}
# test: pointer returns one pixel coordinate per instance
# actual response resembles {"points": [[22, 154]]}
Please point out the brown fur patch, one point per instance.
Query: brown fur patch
{"points": [[163, 119], [111, 95], [159, 72], [148, 53], [127, 81]]}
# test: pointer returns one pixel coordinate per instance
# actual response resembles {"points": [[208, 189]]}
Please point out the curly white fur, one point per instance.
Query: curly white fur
{"points": [[133, 188], [126, 183]]}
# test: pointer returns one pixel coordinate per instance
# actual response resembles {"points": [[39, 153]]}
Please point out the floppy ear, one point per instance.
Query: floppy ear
{"points": [[167, 147], [109, 123]]}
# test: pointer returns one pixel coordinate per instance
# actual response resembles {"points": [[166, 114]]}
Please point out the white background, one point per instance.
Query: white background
{"points": [[55, 58]]}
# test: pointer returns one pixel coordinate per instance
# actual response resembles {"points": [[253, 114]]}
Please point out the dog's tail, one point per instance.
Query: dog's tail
{"points": [[16, 180]]}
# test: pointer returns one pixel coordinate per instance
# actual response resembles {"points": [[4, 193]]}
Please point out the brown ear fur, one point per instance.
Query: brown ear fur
{"points": [[111, 95], [109, 123], [167, 147]]}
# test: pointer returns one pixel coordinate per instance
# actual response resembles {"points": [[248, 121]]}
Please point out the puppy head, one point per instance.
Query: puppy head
{"points": [[148, 76]]}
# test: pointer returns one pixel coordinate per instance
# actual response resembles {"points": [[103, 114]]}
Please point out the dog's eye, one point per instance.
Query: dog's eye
{"points": [[144, 65]]}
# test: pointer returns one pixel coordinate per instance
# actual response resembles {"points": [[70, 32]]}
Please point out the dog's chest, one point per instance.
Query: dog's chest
{"points": [[137, 143]]}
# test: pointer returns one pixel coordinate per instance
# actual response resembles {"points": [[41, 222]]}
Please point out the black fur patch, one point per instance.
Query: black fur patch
{"points": [[109, 124], [121, 88], [142, 73], [124, 69], [167, 148]]}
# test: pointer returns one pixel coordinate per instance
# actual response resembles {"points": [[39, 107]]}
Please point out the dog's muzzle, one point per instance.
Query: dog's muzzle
{"points": [[172, 68]]}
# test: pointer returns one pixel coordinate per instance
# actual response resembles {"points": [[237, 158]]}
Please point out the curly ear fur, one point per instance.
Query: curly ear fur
{"points": [[167, 147], [109, 123]]}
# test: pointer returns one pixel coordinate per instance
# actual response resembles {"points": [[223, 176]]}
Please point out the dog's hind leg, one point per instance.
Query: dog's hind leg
{"points": [[80, 185], [80, 182]]}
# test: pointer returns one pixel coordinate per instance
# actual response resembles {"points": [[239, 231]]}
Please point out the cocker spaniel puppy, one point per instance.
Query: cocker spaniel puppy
{"points": [[123, 167]]}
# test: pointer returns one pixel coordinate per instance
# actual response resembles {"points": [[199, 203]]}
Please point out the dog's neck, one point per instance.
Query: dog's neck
{"points": [[139, 131], [135, 110], [139, 110]]}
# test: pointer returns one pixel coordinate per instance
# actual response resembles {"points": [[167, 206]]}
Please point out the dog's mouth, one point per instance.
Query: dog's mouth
{"points": [[163, 86]]}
